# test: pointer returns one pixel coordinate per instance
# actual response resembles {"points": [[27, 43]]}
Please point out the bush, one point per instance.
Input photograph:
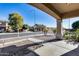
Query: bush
{"points": [[77, 31], [54, 30], [74, 36], [66, 36], [77, 38], [31, 29], [77, 35]]}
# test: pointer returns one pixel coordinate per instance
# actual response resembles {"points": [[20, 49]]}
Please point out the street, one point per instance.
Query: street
{"points": [[10, 35]]}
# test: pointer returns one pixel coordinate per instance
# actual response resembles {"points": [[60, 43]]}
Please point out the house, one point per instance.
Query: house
{"points": [[3, 25]]}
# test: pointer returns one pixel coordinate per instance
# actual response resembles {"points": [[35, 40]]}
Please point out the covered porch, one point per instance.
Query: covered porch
{"points": [[44, 45], [60, 12]]}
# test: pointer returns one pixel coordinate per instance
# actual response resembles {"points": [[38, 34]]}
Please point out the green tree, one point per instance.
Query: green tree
{"points": [[39, 27], [45, 30], [75, 25], [15, 21], [25, 26]]}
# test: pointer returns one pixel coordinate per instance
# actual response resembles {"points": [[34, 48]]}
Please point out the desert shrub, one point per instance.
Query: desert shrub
{"points": [[77, 39], [66, 36], [54, 30], [77, 31], [69, 36], [77, 35]]}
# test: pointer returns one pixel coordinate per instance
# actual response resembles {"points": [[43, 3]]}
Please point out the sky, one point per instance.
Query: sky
{"points": [[67, 23], [31, 15]]}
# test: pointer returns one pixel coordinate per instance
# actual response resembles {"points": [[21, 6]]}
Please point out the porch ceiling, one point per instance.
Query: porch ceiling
{"points": [[59, 10]]}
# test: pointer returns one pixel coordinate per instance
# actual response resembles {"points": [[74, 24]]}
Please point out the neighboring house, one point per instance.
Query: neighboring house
{"points": [[3, 26]]}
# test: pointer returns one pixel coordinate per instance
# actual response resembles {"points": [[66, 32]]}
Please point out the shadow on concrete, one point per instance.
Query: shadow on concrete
{"points": [[17, 51], [74, 52], [22, 50]]}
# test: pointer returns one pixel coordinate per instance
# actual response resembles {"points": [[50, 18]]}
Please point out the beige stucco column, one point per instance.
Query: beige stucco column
{"points": [[59, 29]]}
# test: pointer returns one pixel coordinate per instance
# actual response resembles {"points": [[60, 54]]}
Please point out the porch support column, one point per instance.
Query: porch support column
{"points": [[59, 29]]}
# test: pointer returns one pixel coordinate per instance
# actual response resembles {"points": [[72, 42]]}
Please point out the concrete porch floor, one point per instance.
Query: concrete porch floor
{"points": [[57, 48]]}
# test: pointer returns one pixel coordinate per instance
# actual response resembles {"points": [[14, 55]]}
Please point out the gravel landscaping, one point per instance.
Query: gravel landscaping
{"points": [[19, 48]]}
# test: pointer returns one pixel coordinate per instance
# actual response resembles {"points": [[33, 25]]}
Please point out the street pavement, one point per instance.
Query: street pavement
{"points": [[21, 34], [11, 35]]}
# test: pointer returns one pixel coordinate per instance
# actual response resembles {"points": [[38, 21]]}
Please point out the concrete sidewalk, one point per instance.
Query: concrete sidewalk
{"points": [[53, 48]]}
